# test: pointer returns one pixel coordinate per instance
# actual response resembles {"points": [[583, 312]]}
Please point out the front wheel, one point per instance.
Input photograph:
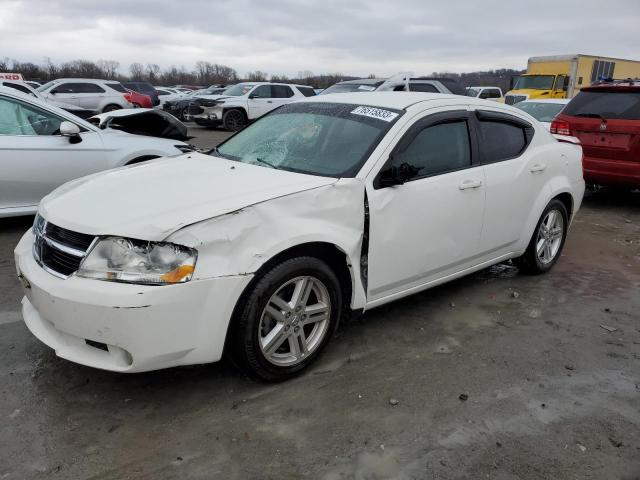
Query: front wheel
{"points": [[234, 120], [286, 319], [547, 241]]}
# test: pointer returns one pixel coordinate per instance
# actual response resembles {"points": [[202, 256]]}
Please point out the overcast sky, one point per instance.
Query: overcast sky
{"points": [[347, 36]]}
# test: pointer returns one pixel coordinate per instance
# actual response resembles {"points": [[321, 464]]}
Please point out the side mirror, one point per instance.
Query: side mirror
{"points": [[397, 174], [253, 95], [53, 91], [70, 130]]}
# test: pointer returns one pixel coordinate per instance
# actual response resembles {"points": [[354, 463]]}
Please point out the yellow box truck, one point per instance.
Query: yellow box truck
{"points": [[562, 76]]}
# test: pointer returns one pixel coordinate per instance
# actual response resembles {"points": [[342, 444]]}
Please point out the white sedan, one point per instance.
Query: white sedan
{"points": [[42, 147], [543, 110], [324, 207]]}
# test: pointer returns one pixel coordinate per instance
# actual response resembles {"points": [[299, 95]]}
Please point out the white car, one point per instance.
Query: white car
{"points": [[27, 89], [543, 110], [486, 93], [96, 95], [328, 206], [244, 102], [42, 147]]}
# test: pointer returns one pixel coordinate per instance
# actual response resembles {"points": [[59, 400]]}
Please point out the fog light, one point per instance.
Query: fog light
{"points": [[212, 116]]}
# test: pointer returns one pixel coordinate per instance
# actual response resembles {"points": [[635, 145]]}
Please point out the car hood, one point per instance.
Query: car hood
{"points": [[142, 121], [153, 199]]}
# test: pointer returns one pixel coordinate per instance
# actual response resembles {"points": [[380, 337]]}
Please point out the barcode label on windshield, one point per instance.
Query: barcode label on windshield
{"points": [[378, 113]]}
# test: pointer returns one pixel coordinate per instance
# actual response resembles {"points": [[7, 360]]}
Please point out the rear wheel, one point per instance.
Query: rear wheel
{"points": [[234, 120], [547, 241], [286, 319], [184, 114], [111, 108]]}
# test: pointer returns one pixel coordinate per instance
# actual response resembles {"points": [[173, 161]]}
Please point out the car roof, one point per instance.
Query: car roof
{"points": [[629, 85], [394, 100], [362, 81], [85, 80], [561, 101]]}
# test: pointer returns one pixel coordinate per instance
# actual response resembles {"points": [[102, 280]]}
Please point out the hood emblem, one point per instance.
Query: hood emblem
{"points": [[603, 126]]}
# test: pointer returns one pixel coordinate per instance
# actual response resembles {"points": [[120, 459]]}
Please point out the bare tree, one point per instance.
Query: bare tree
{"points": [[257, 76], [153, 70], [137, 71], [109, 68]]}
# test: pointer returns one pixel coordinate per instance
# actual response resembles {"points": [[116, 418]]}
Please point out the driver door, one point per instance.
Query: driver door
{"points": [[35, 158], [428, 227]]}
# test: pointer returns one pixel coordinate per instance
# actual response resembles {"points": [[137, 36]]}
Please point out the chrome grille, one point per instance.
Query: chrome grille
{"points": [[511, 99], [57, 250]]}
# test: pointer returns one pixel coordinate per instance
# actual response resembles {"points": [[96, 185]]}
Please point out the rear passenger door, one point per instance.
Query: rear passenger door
{"points": [[282, 94], [90, 95], [515, 175]]}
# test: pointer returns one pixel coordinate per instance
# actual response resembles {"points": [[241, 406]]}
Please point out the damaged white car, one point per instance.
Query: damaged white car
{"points": [[324, 207]]}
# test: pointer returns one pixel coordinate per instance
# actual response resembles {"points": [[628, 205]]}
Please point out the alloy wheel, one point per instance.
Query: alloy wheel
{"points": [[294, 321], [549, 237]]}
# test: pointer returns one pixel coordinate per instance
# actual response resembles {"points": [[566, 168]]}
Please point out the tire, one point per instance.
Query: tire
{"points": [[546, 239], [184, 113], [297, 336], [234, 120], [111, 107]]}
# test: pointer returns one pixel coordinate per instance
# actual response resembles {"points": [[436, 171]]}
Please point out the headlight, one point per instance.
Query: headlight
{"points": [[125, 260]]}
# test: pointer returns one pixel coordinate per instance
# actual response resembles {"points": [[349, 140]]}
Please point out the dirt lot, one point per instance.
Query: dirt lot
{"points": [[549, 367]]}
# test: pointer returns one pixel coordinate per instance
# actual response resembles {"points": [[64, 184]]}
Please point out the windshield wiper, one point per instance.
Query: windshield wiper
{"points": [[259, 160], [590, 115], [218, 153]]}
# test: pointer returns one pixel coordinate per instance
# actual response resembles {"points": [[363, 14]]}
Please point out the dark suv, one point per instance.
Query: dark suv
{"points": [[606, 119], [144, 88]]}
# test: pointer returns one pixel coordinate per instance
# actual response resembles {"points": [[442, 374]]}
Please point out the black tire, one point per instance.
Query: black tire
{"points": [[111, 107], [530, 262], [234, 120], [245, 346]]}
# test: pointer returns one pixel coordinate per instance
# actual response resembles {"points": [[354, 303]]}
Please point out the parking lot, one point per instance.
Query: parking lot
{"points": [[497, 375]]}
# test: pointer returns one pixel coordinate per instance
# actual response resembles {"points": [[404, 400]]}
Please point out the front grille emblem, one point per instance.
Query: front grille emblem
{"points": [[603, 126]]}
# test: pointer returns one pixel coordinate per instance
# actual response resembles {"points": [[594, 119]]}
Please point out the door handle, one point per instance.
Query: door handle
{"points": [[538, 167], [467, 184], [269, 101]]}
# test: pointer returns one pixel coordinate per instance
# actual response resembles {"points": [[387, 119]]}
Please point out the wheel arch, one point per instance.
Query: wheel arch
{"points": [[335, 257]]}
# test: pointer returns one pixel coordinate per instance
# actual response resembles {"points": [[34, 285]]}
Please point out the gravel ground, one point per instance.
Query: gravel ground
{"points": [[498, 375]]}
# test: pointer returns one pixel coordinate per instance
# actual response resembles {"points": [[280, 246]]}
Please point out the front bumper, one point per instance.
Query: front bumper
{"points": [[125, 327], [210, 116]]}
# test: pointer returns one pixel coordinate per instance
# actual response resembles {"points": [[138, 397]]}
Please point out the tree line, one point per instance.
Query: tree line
{"points": [[208, 73]]}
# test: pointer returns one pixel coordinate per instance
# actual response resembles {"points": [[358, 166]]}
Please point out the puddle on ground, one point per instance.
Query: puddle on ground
{"points": [[501, 270]]}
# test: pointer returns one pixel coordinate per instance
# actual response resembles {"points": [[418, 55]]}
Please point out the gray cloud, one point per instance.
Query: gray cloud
{"points": [[285, 36]]}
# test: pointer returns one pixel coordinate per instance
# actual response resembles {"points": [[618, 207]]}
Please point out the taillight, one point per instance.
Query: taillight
{"points": [[127, 97], [560, 127]]}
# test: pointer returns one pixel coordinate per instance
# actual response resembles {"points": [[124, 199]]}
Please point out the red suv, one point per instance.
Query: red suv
{"points": [[606, 119]]}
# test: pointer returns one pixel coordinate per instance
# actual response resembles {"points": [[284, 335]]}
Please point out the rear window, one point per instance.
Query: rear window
{"points": [[117, 87], [623, 105]]}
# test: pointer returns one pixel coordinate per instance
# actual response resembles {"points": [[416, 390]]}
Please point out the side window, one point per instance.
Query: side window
{"points": [[18, 118], [89, 88], [17, 86], [560, 82], [281, 91], [307, 91], [263, 91], [501, 140], [438, 149], [494, 93], [423, 87], [486, 93], [65, 88]]}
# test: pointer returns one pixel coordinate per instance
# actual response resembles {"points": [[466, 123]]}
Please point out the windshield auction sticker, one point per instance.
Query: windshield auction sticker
{"points": [[378, 113]]}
